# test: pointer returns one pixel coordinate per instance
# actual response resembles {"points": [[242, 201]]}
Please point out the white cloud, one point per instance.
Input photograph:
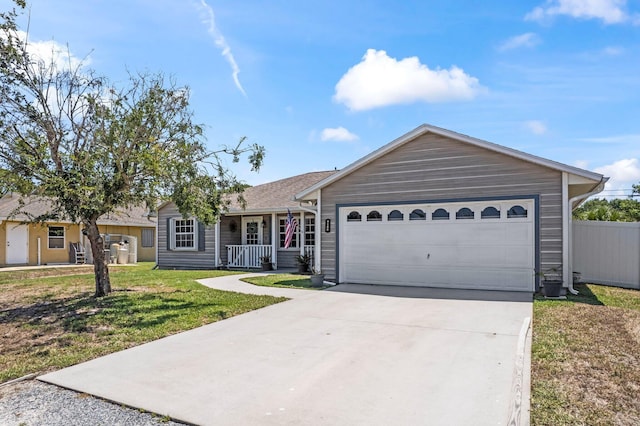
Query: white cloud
{"points": [[627, 169], [613, 51], [622, 174], [221, 42], [581, 164], [50, 52], [337, 134], [609, 11], [522, 40], [379, 80], [536, 127], [632, 138]]}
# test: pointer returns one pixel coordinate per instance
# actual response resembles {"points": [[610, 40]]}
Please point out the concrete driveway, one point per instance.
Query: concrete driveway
{"points": [[354, 355]]}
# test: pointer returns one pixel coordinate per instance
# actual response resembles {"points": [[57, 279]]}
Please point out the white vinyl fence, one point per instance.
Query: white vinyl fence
{"points": [[607, 252]]}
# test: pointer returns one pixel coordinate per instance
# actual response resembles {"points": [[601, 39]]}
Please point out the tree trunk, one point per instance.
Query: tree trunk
{"points": [[100, 264]]}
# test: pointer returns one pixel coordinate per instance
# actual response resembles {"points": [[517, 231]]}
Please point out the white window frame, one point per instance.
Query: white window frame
{"points": [[282, 228], [250, 219], [194, 233], [64, 238], [309, 230]]}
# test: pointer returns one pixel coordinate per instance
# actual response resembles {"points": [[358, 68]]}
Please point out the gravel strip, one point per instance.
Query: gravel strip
{"points": [[33, 403]]}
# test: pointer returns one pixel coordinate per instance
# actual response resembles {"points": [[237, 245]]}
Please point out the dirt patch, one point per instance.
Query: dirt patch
{"points": [[595, 362]]}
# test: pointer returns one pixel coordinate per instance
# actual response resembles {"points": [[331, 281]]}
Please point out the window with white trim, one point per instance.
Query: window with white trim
{"points": [[184, 234], [465, 213], [418, 214], [440, 214], [490, 213], [282, 232], [516, 211], [56, 237], [310, 231], [354, 216], [374, 216], [395, 215]]}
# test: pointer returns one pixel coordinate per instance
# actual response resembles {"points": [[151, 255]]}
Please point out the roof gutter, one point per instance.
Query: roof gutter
{"points": [[596, 189]]}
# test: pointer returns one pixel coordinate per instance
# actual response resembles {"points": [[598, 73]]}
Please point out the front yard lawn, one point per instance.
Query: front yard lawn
{"points": [[49, 318], [282, 280], [586, 358]]}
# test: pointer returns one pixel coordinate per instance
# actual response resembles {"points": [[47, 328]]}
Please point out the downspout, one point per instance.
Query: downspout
{"points": [[596, 189], [274, 240]]}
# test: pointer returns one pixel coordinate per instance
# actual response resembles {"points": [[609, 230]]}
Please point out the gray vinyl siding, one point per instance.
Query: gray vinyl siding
{"points": [[229, 236], [434, 167], [181, 259], [287, 258]]}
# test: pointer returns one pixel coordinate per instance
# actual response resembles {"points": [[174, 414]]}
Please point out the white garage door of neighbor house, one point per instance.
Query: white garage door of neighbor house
{"points": [[471, 245], [17, 244]]}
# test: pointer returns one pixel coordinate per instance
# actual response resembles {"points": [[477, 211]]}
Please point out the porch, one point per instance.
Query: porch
{"points": [[246, 240], [250, 256]]}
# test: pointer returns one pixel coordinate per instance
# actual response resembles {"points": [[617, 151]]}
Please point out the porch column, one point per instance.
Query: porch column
{"points": [[318, 232], [567, 273], [301, 230], [275, 241], [217, 248]]}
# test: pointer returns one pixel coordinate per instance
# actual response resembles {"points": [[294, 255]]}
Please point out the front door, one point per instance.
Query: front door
{"points": [[252, 230], [17, 244]]}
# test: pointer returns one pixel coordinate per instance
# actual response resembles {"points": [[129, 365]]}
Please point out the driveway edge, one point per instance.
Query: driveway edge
{"points": [[520, 411]]}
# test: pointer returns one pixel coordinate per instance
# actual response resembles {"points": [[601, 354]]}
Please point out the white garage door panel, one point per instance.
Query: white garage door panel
{"points": [[464, 253]]}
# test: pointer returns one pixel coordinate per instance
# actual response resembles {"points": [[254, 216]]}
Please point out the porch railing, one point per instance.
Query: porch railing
{"points": [[247, 256], [310, 251]]}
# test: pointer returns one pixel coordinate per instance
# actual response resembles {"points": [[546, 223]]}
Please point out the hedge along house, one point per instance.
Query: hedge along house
{"points": [[437, 208], [25, 242], [432, 208], [242, 236]]}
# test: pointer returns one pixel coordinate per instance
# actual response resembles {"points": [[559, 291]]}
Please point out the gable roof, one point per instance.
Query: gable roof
{"points": [[35, 206], [427, 128], [277, 195]]}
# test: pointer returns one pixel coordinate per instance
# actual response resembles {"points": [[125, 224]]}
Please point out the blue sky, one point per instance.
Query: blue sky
{"points": [[322, 83]]}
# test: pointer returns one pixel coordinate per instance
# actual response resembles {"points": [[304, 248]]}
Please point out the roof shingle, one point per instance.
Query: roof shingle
{"points": [[278, 195], [36, 206]]}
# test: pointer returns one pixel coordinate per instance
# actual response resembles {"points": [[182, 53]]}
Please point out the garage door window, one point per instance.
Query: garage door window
{"points": [[440, 214], [354, 217], [517, 211], [374, 216], [395, 215], [418, 214], [490, 213], [464, 213]]}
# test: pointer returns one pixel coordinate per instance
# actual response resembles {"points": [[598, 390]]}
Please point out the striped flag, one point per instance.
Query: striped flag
{"points": [[290, 229]]}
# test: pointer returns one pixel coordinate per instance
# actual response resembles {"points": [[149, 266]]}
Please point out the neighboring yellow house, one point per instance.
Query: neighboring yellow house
{"points": [[24, 242]]}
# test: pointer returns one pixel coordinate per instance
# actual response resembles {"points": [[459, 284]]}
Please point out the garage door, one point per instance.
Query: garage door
{"points": [[472, 245]]}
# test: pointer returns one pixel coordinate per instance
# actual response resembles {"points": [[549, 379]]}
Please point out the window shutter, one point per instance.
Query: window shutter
{"points": [[169, 233], [201, 235]]}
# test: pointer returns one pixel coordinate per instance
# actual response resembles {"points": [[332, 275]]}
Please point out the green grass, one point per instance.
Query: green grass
{"points": [[586, 358], [49, 318], [283, 281]]}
